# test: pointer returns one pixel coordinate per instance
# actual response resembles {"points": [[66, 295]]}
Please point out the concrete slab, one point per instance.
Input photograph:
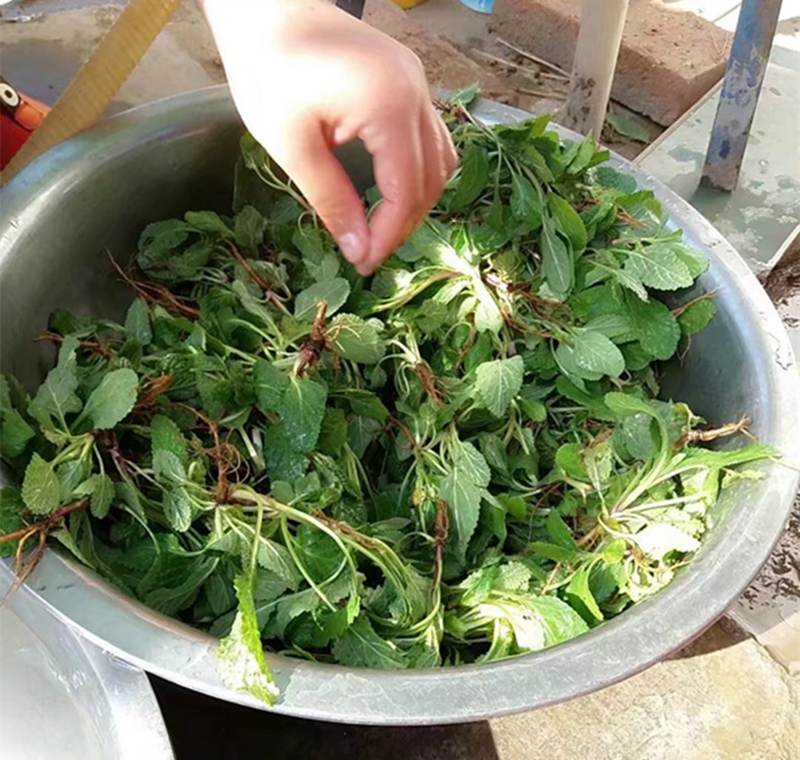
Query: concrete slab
{"points": [[763, 214], [720, 699]]}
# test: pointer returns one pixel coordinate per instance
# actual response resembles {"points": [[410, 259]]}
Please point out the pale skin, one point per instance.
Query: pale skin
{"points": [[306, 77]]}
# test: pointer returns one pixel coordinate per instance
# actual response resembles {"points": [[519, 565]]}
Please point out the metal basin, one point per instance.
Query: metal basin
{"points": [[61, 696], [97, 192]]}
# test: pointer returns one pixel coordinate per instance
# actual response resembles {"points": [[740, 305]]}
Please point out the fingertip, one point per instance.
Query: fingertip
{"points": [[354, 247], [365, 268]]}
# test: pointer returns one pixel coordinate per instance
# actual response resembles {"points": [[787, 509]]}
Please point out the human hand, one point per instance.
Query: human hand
{"points": [[307, 77]]}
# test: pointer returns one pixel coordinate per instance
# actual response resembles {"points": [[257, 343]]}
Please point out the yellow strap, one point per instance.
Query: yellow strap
{"points": [[99, 79]]}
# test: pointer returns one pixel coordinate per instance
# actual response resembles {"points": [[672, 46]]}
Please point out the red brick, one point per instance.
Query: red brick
{"points": [[667, 61]]}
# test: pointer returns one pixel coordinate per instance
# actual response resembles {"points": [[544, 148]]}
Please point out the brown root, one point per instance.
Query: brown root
{"points": [[24, 564]]}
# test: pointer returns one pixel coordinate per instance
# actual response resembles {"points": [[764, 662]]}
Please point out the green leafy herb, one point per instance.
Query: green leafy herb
{"points": [[459, 459]]}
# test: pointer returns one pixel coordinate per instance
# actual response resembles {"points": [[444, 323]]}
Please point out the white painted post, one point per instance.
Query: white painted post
{"points": [[599, 39]]}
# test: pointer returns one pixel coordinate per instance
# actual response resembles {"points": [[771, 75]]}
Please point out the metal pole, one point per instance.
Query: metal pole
{"points": [[740, 91], [599, 39]]}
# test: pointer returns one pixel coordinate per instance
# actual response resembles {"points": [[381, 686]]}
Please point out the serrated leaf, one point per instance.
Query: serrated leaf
{"points": [[612, 179], [321, 261], [275, 557], [333, 292], [658, 540], [137, 323], [627, 404], [610, 325], [557, 266], [488, 316], [578, 586], [697, 316], [465, 96], [658, 266], [356, 339], [208, 221], [559, 620], [655, 327], [695, 262], [473, 176], [240, 655], [41, 490], [628, 127], [367, 404], [102, 495], [56, 396], [568, 222], [333, 432], [71, 474], [178, 509], [598, 462], [168, 467], [463, 496], [514, 576], [498, 382], [160, 238], [558, 531], [553, 552], [112, 400], [166, 435], [627, 280], [361, 432], [285, 609], [284, 462], [594, 352], [427, 241], [15, 433], [269, 384], [301, 409], [539, 164], [360, 647], [583, 156], [525, 203], [468, 459], [249, 227], [11, 508], [318, 552]]}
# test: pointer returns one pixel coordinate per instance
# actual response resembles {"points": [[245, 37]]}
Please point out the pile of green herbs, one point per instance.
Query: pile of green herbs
{"points": [[459, 459]]}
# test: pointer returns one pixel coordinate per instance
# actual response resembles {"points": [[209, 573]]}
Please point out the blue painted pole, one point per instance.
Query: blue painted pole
{"points": [[744, 76]]}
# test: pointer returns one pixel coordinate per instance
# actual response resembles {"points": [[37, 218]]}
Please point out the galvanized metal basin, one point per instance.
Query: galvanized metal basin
{"points": [[62, 696], [97, 192]]}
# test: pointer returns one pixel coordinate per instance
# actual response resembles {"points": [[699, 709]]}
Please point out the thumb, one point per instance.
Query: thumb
{"points": [[309, 160]]}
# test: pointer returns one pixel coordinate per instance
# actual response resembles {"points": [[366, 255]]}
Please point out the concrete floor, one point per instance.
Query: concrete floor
{"points": [[723, 697]]}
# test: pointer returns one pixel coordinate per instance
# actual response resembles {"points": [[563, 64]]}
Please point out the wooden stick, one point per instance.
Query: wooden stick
{"points": [[520, 68], [556, 94], [534, 58]]}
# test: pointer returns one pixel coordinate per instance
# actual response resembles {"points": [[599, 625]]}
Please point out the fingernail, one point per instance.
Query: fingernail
{"points": [[352, 247]]}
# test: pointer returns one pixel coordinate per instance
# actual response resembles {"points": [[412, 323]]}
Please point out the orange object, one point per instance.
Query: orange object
{"points": [[20, 115]]}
